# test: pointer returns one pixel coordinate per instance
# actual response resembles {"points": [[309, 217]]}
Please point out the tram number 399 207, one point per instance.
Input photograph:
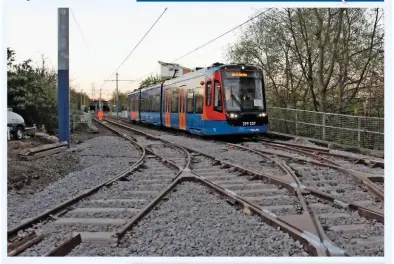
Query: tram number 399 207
{"points": [[248, 123]]}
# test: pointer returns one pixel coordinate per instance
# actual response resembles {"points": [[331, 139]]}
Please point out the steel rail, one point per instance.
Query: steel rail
{"points": [[378, 191], [62, 206], [316, 244]]}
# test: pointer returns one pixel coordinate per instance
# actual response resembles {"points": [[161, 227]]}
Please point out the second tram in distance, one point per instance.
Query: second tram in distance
{"points": [[217, 100]]}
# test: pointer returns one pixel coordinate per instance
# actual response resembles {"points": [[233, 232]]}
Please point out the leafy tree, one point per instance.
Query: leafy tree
{"points": [[122, 97], [151, 80], [32, 92], [328, 60]]}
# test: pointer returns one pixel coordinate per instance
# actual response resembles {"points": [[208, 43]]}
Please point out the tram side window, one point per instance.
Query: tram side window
{"points": [[218, 98], [199, 100], [190, 102], [174, 100], [157, 104], [208, 93], [153, 103], [145, 104], [150, 104]]}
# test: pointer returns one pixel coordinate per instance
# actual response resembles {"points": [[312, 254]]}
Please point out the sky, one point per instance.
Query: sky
{"points": [[111, 29]]}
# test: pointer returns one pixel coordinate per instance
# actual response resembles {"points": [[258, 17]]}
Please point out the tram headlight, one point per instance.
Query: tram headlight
{"points": [[262, 115], [232, 116]]}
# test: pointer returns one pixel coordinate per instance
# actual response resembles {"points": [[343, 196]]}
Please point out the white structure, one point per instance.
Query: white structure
{"points": [[167, 70], [15, 123]]}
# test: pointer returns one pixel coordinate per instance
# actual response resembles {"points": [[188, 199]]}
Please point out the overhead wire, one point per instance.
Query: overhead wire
{"points": [[157, 20], [79, 28], [216, 38], [81, 33]]}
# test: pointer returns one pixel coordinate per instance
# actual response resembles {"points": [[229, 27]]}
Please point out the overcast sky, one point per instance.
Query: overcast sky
{"points": [[112, 29]]}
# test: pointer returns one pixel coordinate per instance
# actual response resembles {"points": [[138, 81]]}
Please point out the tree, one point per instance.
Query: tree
{"points": [[32, 92], [151, 80], [122, 97], [320, 59]]}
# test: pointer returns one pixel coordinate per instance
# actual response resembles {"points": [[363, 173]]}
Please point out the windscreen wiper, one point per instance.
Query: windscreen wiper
{"points": [[236, 101]]}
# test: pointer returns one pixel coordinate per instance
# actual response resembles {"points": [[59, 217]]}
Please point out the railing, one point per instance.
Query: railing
{"points": [[360, 131]]}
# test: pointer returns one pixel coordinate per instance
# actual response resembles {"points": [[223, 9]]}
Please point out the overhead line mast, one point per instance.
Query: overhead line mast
{"points": [[117, 91]]}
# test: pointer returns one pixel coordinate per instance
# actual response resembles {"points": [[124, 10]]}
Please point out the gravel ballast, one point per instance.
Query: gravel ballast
{"points": [[109, 208], [102, 158], [354, 234], [195, 222], [224, 152]]}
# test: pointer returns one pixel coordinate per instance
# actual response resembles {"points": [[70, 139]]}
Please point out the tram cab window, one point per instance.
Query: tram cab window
{"points": [[218, 98]]}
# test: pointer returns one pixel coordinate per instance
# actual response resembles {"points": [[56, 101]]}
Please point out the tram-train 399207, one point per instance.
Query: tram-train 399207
{"points": [[217, 100]]}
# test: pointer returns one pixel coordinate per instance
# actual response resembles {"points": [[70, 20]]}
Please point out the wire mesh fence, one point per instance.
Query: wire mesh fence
{"points": [[365, 132]]}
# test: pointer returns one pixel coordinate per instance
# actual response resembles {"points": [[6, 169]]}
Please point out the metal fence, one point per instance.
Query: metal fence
{"points": [[365, 132]]}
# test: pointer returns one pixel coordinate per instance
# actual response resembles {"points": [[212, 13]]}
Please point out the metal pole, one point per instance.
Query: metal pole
{"points": [[100, 107], [324, 126], [63, 95], [117, 98]]}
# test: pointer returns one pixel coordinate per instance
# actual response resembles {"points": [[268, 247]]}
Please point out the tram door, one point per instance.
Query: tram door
{"points": [[182, 109], [167, 108]]}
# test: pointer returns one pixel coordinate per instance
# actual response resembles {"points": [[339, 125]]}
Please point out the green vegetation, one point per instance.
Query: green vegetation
{"points": [[32, 92], [153, 79], [123, 103]]}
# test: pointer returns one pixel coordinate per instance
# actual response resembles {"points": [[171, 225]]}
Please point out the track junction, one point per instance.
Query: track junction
{"points": [[301, 200]]}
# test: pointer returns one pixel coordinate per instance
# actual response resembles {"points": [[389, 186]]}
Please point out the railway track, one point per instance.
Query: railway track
{"points": [[177, 158], [361, 175], [273, 188], [336, 221], [365, 164], [359, 166], [102, 213]]}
